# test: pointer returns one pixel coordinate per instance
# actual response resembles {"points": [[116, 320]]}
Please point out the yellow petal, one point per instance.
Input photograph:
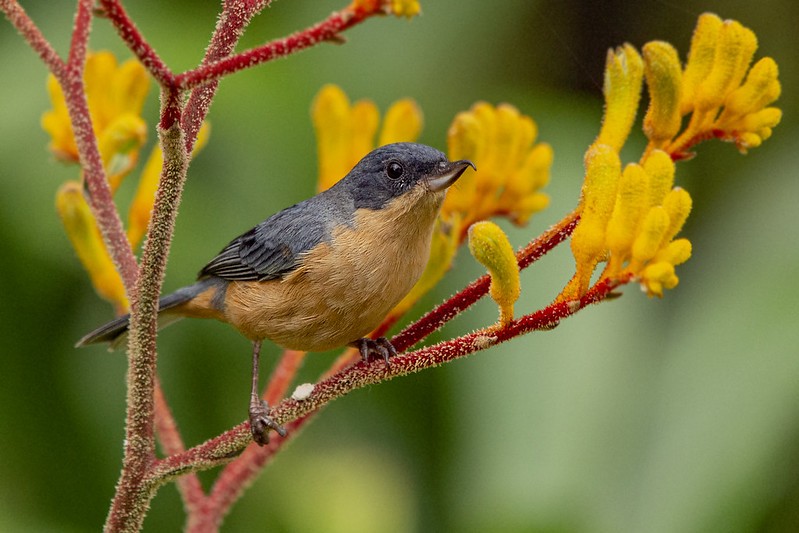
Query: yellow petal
{"points": [[627, 214], [650, 237], [677, 206], [660, 169], [664, 79], [603, 172], [84, 235], [700, 58], [623, 77], [490, 246], [330, 113], [406, 8], [119, 146], [761, 88], [658, 276], [364, 119], [402, 123], [734, 51], [676, 253]]}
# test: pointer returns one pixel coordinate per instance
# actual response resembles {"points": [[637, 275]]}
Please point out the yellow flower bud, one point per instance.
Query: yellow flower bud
{"points": [[734, 51], [658, 276], [660, 169], [624, 71], [677, 205], [700, 58], [490, 246], [402, 123], [760, 89], [406, 8], [650, 237], [85, 237], [630, 207], [664, 79], [676, 253], [603, 171]]}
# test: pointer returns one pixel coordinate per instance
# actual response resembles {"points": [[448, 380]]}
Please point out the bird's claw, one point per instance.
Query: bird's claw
{"points": [[380, 347], [261, 423]]}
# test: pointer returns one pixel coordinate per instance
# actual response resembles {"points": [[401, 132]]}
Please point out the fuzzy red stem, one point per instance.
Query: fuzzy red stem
{"points": [[100, 197], [33, 35], [133, 38], [323, 31]]}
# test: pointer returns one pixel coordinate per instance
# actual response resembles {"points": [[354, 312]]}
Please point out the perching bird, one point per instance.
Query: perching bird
{"points": [[325, 272]]}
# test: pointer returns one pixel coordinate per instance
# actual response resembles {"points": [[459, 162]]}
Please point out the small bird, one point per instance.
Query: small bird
{"points": [[323, 273]]}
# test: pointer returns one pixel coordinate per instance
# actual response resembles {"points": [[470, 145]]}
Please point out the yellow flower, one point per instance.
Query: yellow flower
{"points": [[630, 220], [116, 95], [624, 71], [712, 90], [512, 168], [346, 132], [490, 246], [85, 236]]}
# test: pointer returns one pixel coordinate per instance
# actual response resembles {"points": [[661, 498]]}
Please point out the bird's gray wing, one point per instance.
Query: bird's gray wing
{"points": [[271, 249]]}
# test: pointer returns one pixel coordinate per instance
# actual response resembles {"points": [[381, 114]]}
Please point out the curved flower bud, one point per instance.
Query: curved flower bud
{"points": [[490, 246], [85, 237], [624, 72]]}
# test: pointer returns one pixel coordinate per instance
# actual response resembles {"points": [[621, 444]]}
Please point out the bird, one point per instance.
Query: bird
{"points": [[324, 272]]}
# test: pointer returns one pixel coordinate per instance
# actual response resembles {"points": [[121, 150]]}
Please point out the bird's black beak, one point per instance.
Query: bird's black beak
{"points": [[448, 173]]}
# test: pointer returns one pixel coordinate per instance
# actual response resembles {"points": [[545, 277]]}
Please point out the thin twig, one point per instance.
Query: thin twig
{"points": [[33, 35], [136, 42]]}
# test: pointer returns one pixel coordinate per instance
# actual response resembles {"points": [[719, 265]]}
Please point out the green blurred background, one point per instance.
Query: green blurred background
{"points": [[672, 415]]}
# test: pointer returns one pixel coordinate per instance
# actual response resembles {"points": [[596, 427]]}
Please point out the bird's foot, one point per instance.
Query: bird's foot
{"points": [[261, 422], [373, 348]]}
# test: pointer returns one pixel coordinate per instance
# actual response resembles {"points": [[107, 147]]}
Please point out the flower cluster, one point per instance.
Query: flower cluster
{"points": [[511, 167], [116, 95], [630, 217]]}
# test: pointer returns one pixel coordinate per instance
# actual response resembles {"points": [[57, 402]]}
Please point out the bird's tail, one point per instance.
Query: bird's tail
{"points": [[115, 332]]}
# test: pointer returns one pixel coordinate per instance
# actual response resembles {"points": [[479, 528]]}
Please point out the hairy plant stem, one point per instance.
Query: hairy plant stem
{"points": [[134, 490]]}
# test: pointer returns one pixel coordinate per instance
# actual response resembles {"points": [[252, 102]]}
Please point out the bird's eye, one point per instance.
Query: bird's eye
{"points": [[394, 170]]}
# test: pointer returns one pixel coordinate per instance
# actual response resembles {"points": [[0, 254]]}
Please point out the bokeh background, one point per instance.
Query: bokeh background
{"points": [[672, 415]]}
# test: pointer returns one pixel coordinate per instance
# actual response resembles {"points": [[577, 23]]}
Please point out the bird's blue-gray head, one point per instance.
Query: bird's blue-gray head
{"points": [[393, 170]]}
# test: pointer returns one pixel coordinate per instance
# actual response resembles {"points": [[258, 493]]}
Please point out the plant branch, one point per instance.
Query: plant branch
{"points": [[136, 42], [17, 16], [328, 29], [135, 487]]}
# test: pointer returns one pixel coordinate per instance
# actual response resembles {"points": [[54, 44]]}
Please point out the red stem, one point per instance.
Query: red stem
{"points": [[129, 33], [33, 35], [326, 30]]}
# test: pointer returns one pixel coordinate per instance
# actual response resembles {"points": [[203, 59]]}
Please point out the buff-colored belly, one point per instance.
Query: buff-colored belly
{"points": [[342, 291]]}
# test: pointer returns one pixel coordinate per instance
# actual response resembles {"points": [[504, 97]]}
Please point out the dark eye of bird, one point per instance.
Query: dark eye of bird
{"points": [[394, 170]]}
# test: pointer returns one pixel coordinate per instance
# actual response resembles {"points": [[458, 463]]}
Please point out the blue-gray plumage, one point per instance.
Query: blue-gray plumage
{"points": [[325, 272]]}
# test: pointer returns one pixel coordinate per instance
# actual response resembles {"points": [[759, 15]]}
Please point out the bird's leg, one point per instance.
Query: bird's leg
{"points": [[381, 347], [260, 422]]}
